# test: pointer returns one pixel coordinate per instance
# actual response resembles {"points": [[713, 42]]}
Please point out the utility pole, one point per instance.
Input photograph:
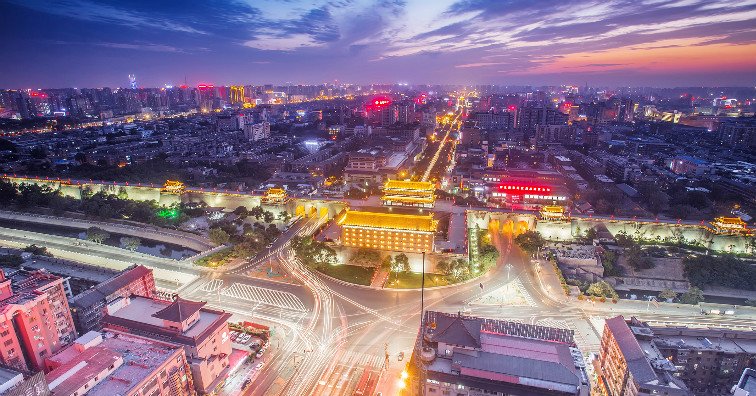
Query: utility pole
{"points": [[422, 295], [386, 356]]}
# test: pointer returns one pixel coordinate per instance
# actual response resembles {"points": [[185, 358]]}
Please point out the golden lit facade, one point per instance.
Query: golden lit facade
{"points": [[275, 196], [409, 193], [730, 225], [553, 213], [388, 231], [237, 94], [174, 187]]}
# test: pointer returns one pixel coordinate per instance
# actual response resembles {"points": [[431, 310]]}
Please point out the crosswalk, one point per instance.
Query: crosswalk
{"points": [[360, 359], [511, 294], [265, 296], [212, 286], [559, 324]]}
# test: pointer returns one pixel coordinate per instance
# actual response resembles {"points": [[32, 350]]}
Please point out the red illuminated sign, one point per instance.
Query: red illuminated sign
{"points": [[522, 189], [205, 86], [381, 102]]}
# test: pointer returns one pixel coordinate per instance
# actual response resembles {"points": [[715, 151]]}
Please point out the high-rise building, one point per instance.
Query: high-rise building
{"points": [[464, 355], [88, 308], [254, 132], [528, 117], [494, 121], [203, 333], [629, 366], [35, 320], [132, 81], [740, 133]]}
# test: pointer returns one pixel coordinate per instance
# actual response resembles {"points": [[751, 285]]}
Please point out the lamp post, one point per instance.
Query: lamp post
{"points": [[422, 295]]}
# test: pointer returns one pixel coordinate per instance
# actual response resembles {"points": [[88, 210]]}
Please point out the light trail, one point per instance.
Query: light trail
{"points": [[441, 145]]}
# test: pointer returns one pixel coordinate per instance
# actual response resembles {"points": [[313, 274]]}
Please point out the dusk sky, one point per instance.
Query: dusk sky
{"points": [[88, 43]]}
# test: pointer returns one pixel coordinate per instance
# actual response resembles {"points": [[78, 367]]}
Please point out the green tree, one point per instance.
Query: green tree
{"points": [[131, 243], [724, 270], [530, 241], [609, 261], [488, 256], [658, 202], [241, 211], [97, 235], [387, 263], [444, 267], [365, 258], [218, 236], [624, 240], [601, 289], [402, 262], [8, 192], [590, 234], [268, 217], [637, 259], [11, 260], [246, 248], [668, 294], [284, 216], [37, 250], [693, 296], [459, 270], [257, 212]]}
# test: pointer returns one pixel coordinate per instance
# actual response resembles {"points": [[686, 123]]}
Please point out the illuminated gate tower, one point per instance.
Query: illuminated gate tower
{"points": [[409, 193], [730, 226], [173, 187], [388, 231], [275, 196]]}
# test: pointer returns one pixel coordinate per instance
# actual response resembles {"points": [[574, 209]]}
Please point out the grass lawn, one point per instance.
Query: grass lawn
{"points": [[349, 273], [217, 259], [412, 280]]}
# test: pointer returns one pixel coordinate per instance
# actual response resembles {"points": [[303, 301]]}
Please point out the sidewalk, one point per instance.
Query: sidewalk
{"points": [[380, 278], [550, 280]]}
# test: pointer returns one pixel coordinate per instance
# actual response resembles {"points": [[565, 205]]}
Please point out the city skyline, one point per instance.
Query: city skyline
{"points": [[615, 43]]}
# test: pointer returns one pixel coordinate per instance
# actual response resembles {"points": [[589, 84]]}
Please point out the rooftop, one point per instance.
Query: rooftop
{"points": [[503, 354], [631, 349], [25, 285], [409, 185], [105, 289], [179, 310], [7, 375], [747, 382], [140, 358], [140, 314], [389, 221], [644, 359]]}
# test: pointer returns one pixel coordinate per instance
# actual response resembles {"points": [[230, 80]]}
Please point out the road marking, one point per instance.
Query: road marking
{"points": [[212, 286], [264, 296]]}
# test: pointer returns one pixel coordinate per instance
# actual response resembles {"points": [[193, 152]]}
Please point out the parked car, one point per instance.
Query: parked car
{"points": [[259, 366]]}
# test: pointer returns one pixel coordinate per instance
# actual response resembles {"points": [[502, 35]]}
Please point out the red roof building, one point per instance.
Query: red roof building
{"points": [[116, 363], [203, 333], [35, 321]]}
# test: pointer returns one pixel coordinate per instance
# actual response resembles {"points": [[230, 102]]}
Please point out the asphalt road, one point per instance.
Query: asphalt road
{"points": [[328, 334]]}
